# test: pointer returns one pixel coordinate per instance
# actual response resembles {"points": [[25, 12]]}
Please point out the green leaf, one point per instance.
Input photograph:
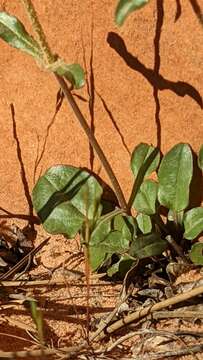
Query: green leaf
{"points": [[144, 223], [175, 174], [13, 32], [100, 232], [121, 267], [176, 217], [193, 223], [200, 158], [126, 225], [97, 252], [38, 320], [145, 158], [63, 197], [145, 200], [147, 245], [196, 254], [97, 256], [113, 243], [108, 238], [116, 243], [73, 73], [125, 7]]}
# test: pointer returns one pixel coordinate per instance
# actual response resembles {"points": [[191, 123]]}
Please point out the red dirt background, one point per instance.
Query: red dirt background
{"points": [[146, 81]]}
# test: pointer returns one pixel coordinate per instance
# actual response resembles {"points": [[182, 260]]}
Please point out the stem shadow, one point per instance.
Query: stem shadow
{"points": [[22, 169]]}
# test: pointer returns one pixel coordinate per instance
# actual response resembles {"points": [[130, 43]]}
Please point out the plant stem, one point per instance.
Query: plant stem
{"points": [[157, 218], [93, 141], [50, 58]]}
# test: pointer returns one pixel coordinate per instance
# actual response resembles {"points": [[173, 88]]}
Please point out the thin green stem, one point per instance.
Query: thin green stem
{"points": [[157, 218], [93, 141], [50, 58]]}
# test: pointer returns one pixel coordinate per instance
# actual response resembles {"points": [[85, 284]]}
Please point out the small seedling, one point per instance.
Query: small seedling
{"points": [[38, 320]]}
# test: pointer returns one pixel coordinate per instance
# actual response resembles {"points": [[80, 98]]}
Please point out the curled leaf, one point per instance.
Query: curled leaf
{"points": [[73, 73], [126, 7]]}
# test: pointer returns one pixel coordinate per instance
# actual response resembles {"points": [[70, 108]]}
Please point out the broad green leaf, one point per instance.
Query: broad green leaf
{"points": [[200, 158], [193, 223], [196, 254], [144, 223], [147, 245], [175, 174], [74, 73], [145, 159], [63, 197], [145, 200], [125, 7], [13, 32]]}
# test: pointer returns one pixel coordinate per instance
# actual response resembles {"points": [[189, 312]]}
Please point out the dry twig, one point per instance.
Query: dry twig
{"points": [[150, 309]]}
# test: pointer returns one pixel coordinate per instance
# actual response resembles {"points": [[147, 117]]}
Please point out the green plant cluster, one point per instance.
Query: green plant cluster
{"points": [[65, 197]]}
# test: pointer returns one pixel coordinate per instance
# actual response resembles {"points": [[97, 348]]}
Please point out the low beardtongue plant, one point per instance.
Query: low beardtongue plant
{"points": [[69, 200]]}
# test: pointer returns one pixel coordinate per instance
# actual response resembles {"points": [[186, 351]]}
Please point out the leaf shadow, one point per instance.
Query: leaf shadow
{"points": [[197, 10], [9, 215], [108, 111], [155, 79], [178, 10], [157, 63], [180, 88]]}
